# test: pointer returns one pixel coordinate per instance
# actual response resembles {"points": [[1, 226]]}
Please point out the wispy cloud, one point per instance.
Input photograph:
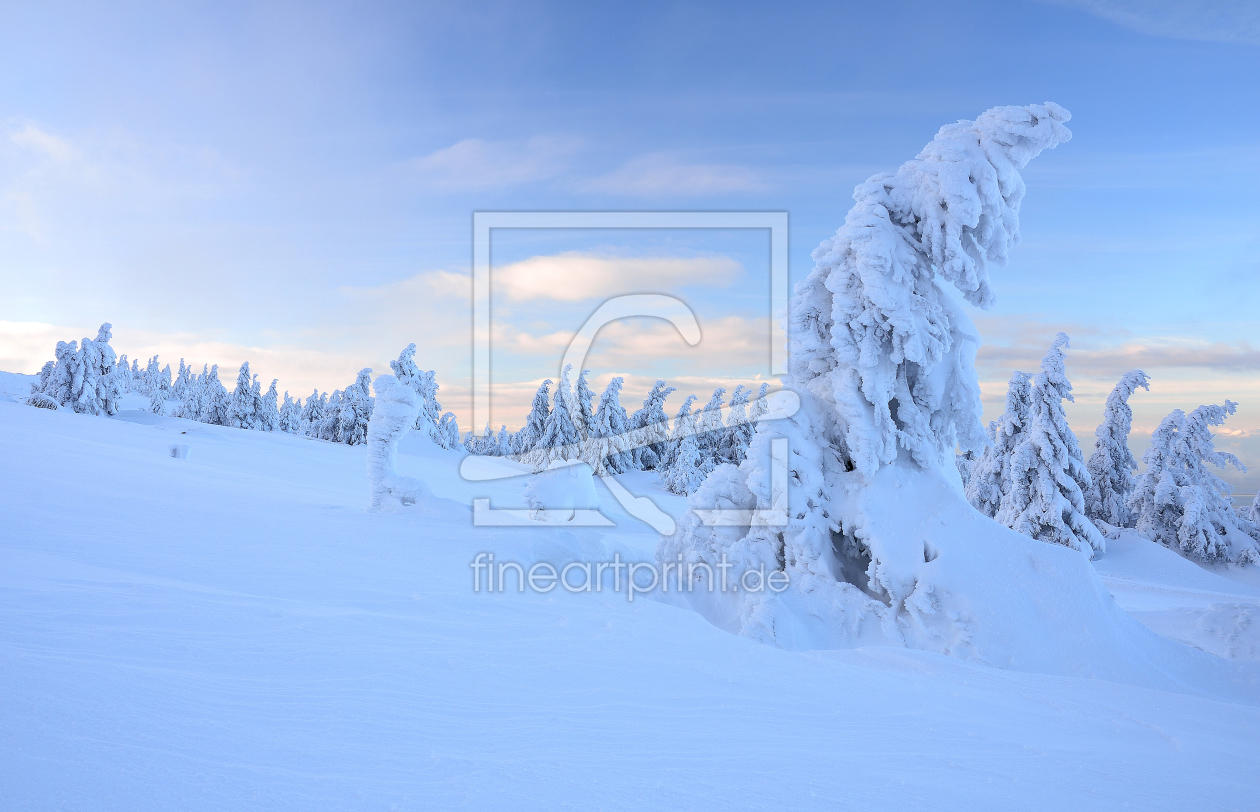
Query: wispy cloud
{"points": [[573, 276], [1209, 20], [664, 175], [475, 164]]}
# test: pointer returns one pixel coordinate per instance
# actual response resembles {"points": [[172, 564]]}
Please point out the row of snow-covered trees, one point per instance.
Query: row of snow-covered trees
{"points": [[1033, 478], [90, 379], [570, 425]]}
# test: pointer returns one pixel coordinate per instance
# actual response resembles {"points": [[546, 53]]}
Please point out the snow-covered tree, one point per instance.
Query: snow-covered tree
{"points": [[423, 384], [684, 425], [503, 443], [535, 423], [268, 411], [95, 384], [687, 469], [216, 404], [607, 448], [559, 439], [313, 412], [739, 429], [990, 475], [759, 406], [356, 409], [180, 386], [882, 359], [290, 420], [1180, 503], [1046, 499], [242, 405], [124, 373], [583, 415], [651, 426], [447, 435], [1253, 513], [329, 426], [711, 430], [393, 416], [1111, 466]]}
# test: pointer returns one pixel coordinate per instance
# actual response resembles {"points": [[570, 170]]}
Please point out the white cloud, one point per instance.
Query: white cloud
{"points": [[476, 164], [660, 174], [573, 277], [1209, 20]]}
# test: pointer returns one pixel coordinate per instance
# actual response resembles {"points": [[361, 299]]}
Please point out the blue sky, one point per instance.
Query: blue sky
{"points": [[229, 182]]}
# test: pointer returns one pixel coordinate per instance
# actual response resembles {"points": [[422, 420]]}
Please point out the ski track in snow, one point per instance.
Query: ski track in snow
{"points": [[234, 631]]}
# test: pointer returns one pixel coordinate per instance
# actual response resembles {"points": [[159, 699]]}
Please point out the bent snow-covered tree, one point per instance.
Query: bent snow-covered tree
{"points": [[1111, 466], [877, 540]]}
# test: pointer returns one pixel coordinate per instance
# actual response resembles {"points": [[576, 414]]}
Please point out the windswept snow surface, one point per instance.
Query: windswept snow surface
{"points": [[235, 631]]}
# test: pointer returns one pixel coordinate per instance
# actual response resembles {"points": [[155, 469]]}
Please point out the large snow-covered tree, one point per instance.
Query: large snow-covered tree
{"points": [[1178, 502], [1047, 478], [1111, 466], [882, 360], [989, 477]]}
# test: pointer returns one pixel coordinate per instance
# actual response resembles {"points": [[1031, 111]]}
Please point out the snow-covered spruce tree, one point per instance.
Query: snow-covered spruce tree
{"points": [[759, 406], [651, 426], [95, 388], [991, 472], [56, 379], [503, 443], [329, 427], [684, 424], [242, 405], [447, 435], [356, 409], [882, 359], [180, 386], [1180, 503], [313, 413], [1045, 499], [535, 423], [711, 431], [216, 403], [124, 373], [423, 384], [1111, 466], [739, 429], [606, 450], [290, 419], [688, 467], [559, 439], [1253, 513], [269, 414], [583, 415], [190, 401]]}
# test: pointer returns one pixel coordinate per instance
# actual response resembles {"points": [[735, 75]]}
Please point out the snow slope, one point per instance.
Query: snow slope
{"points": [[234, 631]]}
